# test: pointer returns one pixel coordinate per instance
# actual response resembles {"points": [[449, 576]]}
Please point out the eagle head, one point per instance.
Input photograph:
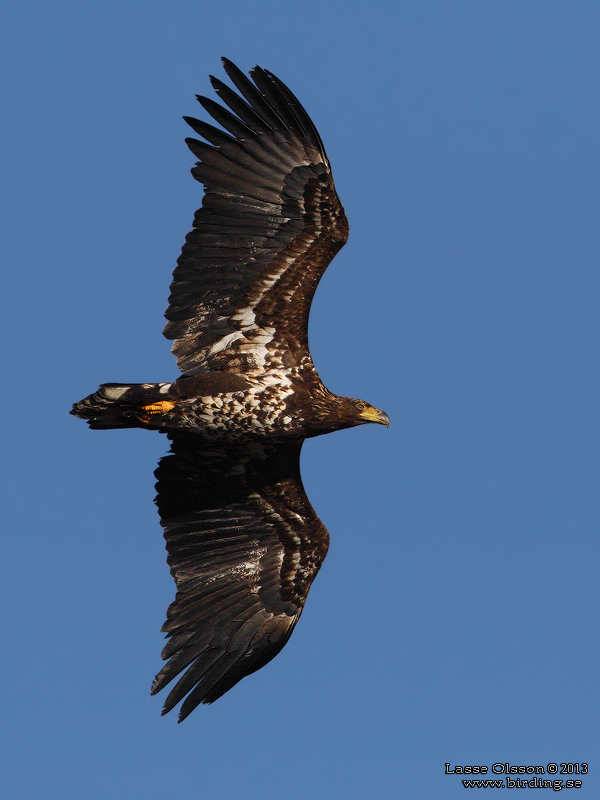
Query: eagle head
{"points": [[360, 412], [333, 413]]}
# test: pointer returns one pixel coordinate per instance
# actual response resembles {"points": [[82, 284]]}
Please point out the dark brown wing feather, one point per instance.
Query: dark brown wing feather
{"points": [[269, 225], [244, 545]]}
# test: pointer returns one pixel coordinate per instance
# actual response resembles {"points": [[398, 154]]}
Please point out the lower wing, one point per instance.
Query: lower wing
{"points": [[244, 546]]}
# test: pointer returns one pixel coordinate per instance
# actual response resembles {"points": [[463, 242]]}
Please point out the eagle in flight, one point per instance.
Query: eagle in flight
{"points": [[244, 544]]}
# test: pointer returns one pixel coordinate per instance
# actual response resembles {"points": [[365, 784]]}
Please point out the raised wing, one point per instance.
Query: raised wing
{"points": [[244, 545], [270, 223]]}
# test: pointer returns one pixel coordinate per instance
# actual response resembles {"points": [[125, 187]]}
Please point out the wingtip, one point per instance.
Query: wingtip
{"points": [[234, 72], [257, 69], [185, 711]]}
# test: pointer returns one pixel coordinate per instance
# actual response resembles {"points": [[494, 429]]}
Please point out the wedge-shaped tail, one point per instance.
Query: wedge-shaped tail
{"points": [[120, 405]]}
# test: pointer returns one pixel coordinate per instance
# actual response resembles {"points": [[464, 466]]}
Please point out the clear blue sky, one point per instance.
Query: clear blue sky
{"points": [[456, 616]]}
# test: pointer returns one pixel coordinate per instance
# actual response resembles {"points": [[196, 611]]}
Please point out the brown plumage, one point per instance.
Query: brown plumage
{"points": [[243, 541]]}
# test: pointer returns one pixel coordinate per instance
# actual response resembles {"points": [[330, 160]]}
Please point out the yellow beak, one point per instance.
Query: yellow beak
{"points": [[375, 415]]}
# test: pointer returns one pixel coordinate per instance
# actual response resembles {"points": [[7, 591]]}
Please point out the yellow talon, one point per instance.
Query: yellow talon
{"points": [[159, 408], [147, 412]]}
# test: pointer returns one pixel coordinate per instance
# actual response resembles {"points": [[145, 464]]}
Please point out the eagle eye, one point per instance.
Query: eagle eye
{"points": [[361, 406]]}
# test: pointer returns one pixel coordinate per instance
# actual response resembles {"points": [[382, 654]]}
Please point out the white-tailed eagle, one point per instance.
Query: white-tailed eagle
{"points": [[244, 543]]}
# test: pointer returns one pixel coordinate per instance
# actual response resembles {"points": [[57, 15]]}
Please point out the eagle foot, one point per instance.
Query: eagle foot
{"points": [[146, 413]]}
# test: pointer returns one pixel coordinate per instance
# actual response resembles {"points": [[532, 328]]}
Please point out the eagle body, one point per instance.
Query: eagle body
{"points": [[243, 541]]}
